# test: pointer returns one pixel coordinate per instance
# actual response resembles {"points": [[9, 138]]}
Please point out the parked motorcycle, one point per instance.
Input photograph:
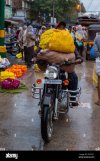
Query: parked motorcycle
{"points": [[54, 96], [12, 45]]}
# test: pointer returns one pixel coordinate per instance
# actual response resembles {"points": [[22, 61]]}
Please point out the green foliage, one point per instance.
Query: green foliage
{"points": [[41, 8]]}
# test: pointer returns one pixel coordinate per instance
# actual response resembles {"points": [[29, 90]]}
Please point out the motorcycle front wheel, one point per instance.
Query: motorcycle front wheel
{"points": [[46, 124]]}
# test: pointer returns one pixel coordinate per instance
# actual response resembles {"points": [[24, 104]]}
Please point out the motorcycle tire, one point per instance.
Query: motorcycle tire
{"points": [[68, 104], [46, 124]]}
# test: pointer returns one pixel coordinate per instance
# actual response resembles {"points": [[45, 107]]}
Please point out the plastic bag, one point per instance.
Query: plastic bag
{"points": [[19, 55], [35, 48], [4, 62], [98, 66], [57, 40], [92, 53]]}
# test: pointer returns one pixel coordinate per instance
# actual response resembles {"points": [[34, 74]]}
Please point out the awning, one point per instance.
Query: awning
{"points": [[12, 22], [18, 18], [95, 27]]}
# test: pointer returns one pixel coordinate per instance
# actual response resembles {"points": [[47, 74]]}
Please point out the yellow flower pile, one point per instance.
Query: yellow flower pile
{"points": [[5, 74], [57, 40]]}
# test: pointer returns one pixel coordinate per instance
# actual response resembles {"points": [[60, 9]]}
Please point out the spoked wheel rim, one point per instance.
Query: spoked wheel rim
{"points": [[50, 125]]}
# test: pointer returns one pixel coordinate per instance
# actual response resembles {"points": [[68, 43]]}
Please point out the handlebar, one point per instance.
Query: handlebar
{"points": [[69, 63]]}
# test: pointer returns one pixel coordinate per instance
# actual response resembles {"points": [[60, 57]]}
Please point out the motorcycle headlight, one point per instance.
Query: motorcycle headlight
{"points": [[51, 72]]}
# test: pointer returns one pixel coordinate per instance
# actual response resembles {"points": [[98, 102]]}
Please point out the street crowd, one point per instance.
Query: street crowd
{"points": [[28, 37]]}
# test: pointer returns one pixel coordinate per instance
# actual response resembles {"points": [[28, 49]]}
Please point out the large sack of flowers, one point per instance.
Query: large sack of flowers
{"points": [[57, 40]]}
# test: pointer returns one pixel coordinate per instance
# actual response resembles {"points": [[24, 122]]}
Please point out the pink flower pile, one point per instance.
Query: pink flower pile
{"points": [[10, 84]]}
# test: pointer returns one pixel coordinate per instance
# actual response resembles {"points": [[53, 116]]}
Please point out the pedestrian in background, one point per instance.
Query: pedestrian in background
{"points": [[24, 47], [72, 32], [22, 40], [97, 55], [42, 30], [30, 41], [79, 39], [19, 35], [85, 33]]}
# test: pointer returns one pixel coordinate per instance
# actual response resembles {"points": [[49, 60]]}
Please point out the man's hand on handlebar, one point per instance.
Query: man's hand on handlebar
{"points": [[69, 62], [78, 61]]}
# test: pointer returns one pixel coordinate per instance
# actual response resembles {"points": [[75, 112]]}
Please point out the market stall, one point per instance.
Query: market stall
{"points": [[10, 81]]}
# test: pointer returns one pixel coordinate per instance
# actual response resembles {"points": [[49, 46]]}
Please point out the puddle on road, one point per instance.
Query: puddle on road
{"points": [[85, 105]]}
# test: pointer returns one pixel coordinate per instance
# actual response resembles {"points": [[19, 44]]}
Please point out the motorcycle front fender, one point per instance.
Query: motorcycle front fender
{"points": [[47, 99]]}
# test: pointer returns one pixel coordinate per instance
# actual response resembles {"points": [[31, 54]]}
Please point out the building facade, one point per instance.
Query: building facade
{"points": [[8, 9], [21, 9]]}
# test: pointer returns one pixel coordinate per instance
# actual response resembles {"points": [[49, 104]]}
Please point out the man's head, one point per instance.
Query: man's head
{"points": [[20, 28], [43, 27], [61, 25], [30, 28], [24, 27], [79, 27], [70, 28]]}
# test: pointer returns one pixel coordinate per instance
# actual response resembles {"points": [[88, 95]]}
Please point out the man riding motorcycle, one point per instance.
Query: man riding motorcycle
{"points": [[58, 91], [71, 69]]}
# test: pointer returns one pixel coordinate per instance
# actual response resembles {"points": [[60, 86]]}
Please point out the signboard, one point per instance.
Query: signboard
{"points": [[53, 20], [8, 12]]}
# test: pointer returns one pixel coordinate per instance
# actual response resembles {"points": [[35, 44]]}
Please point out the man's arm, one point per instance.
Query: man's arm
{"points": [[78, 57], [96, 51]]}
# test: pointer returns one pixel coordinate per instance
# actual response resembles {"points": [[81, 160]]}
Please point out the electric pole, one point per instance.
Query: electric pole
{"points": [[2, 32]]}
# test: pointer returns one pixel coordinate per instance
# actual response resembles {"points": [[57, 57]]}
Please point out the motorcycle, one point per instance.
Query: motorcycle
{"points": [[54, 96], [12, 45]]}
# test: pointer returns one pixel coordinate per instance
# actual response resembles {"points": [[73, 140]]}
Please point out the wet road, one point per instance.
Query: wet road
{"points": [[19, 119], [78, 130]]}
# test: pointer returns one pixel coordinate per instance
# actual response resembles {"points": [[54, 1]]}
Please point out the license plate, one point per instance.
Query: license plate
{"points": [[48, 81]]}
